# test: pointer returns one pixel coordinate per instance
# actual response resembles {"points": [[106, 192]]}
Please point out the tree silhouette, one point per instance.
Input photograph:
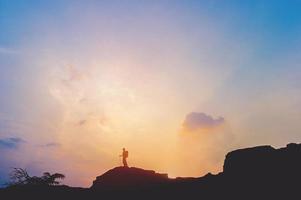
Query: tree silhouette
{"points": [[50, 179], [19, 176]]}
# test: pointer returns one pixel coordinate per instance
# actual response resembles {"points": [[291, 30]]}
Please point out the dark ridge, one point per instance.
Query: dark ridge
{"points": [[252, 173]]}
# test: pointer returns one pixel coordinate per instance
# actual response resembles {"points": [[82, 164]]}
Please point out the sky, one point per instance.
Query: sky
{"points": [[177, 83]]}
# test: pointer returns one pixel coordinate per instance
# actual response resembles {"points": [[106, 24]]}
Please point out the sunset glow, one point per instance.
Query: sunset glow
{"points": [[177, 83]]}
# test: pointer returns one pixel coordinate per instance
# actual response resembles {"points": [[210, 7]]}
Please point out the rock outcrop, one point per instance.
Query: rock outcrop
{"points": [[264, 162], [129, 177]]}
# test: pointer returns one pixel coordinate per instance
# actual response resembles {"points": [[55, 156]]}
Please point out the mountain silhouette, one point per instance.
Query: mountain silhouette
{"points": [[253, 173]]}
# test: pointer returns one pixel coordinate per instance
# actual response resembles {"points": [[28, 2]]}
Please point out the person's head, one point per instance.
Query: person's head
{"points": [[123, 149]]}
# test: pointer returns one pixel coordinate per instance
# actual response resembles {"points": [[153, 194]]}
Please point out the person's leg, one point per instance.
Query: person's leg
{"points": [[125, 164]]}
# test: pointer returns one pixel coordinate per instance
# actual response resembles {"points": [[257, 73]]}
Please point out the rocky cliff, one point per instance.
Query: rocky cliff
{"points": [[264, 162]]}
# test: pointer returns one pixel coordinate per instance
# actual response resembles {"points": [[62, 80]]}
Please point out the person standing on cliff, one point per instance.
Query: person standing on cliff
{"points": [[125, 155]]}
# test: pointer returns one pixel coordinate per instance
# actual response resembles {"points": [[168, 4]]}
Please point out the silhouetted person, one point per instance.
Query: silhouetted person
{"points": [[124, 156]]}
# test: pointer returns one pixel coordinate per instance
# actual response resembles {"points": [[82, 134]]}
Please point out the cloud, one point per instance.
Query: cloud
{"points": [[10, 143], [52, 144], [4, 50], [72, 74], [200, 120], [82, 122]]}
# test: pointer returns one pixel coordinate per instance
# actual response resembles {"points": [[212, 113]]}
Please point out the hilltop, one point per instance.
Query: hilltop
{"points": [[121, 177]]}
